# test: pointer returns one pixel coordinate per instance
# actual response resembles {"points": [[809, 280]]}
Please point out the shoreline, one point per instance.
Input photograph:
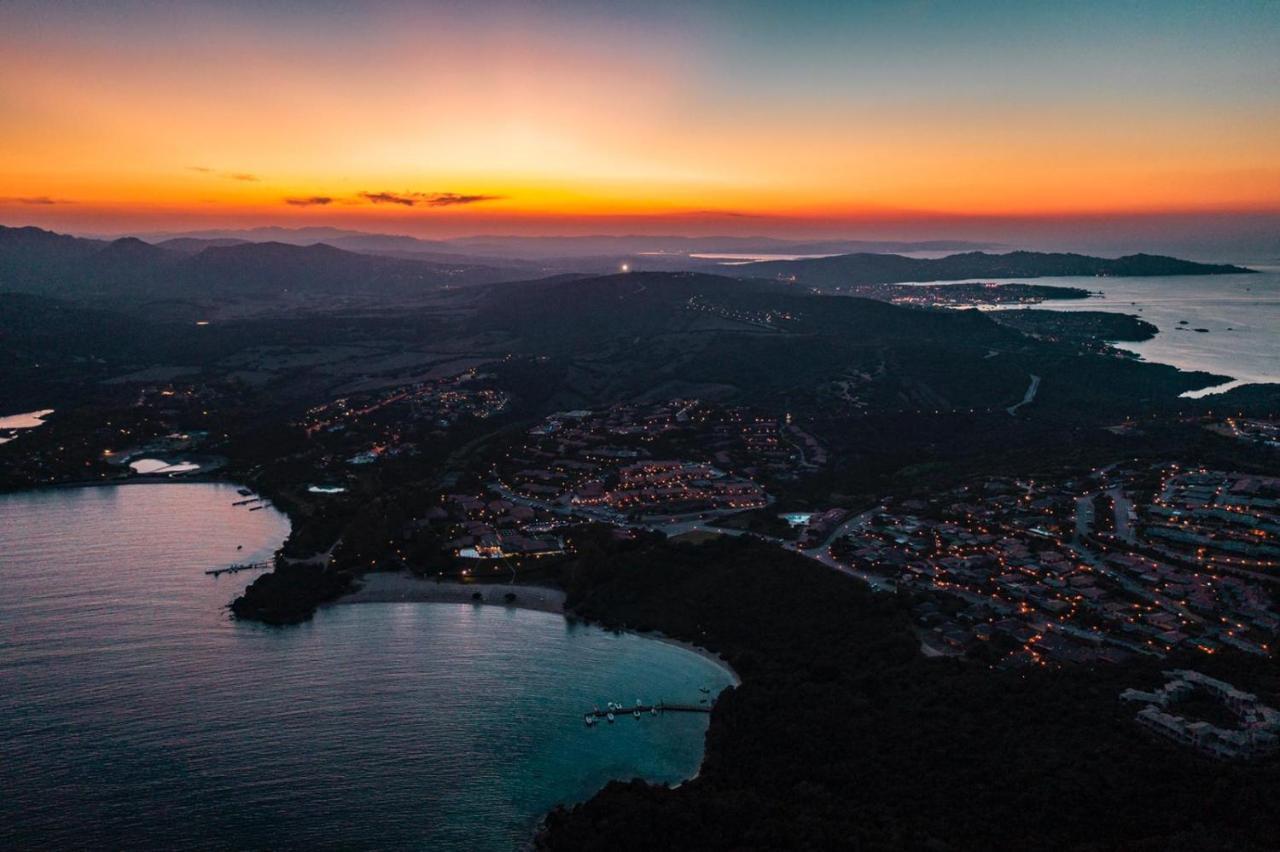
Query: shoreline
{"points": [[143, 479], [399, 587]]}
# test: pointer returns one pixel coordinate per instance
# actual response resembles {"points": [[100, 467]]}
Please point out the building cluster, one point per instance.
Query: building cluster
{"points": [[676, 457], [1255, 734], [1035, 571], [372, 427], [439, 403], [1227, 521], [958, 295], [656, 486], [763, 317], [1255, 431], [485, 526]]}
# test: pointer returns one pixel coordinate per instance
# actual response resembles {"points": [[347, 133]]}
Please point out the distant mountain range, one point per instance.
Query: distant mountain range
{"points": [[615, 247], [853, 269], [219, 267], [37, 261]]}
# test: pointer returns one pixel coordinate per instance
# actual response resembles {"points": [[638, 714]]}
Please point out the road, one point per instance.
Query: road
{"points": [[822, 552], [1123, 505], [1084, 518], [682, 525], [847, 527], [1028, 396]]}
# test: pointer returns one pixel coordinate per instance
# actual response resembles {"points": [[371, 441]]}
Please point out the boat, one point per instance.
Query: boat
{"points": [[704, 690], [239, 547], [609, 715], [653, 711], [636, 713], [589, 719]]}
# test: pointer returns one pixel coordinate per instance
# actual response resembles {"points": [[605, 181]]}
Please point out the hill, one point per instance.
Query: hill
{"points": [[42, 262], [863, 268], [646, 334]]}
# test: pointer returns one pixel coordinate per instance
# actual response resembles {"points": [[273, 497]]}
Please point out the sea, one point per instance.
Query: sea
{"points": [[134, 713], [1240, 315]]}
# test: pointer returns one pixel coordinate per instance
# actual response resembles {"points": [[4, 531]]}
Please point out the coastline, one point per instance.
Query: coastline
{"points": [[694, 649], [398, 587], [401, 587], [142, 479]]}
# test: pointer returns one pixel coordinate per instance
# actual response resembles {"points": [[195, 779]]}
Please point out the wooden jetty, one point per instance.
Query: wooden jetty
{"points": [[646, 709], [236, 569]]}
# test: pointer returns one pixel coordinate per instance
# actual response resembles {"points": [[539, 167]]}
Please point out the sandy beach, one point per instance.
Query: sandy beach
{"points": [[394, 588]]}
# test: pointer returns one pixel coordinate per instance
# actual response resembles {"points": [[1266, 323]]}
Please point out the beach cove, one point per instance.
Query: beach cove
{"points": [[139, 709]]}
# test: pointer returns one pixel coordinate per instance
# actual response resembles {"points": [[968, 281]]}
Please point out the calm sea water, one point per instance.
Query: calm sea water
{"points": [[135, 714], [1241, 313]]}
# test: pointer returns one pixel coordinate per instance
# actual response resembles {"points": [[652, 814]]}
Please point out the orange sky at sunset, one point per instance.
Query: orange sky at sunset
{"points": [[444, 123]]}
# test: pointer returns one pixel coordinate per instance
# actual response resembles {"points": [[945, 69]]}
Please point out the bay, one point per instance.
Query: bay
{"points": [[137, 714]]}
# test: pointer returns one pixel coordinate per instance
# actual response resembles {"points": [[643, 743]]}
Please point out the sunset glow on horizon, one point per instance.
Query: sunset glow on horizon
{"points": [[445, 121]]}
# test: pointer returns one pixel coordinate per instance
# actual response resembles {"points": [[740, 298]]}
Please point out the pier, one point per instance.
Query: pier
{"points": [[645, 709], [236, 569]]}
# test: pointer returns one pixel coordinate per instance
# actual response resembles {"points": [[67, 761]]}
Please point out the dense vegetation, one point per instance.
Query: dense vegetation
{"points": [[1077, 325], [290, 593], [842, 736]]}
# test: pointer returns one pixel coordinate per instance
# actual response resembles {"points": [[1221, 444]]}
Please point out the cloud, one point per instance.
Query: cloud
{"points": [[735, 214], [36, 199], [448, 199], [388, 198], [427, 199], [309, 201], [245, 176]]}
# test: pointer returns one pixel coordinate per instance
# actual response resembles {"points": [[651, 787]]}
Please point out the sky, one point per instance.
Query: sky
{"points": [[796, 118]]}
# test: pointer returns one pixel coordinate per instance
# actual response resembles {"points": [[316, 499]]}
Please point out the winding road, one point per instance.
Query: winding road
{"points": [[1028, 396]]}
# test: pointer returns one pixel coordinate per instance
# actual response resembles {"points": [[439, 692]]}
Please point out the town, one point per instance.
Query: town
{"points": [[1128, 560], [672, 458]]}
